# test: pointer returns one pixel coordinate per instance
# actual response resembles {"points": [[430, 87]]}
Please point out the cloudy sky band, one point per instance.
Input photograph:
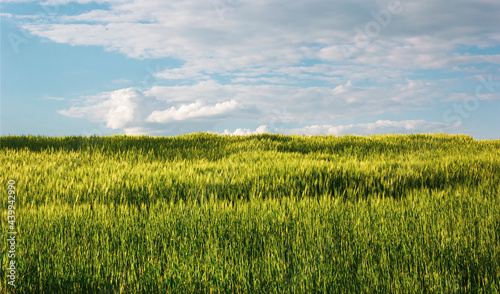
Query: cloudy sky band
{"points": [[234, 66]]}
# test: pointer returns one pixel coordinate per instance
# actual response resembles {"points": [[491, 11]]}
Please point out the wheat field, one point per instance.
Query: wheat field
{"points": [[204, 213]]}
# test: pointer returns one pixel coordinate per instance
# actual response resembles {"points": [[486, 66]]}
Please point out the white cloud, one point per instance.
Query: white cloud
{"points": [[343, 88], [15, 1], [65, 2], [190, 111], [267, 41], [125, 108], [332, 53], [420, 52], [273, 80], [378, 127], [244, 132], [211, 102], [253, 33], [260, 56], [138, 112], [48, 97], [472, 97]]}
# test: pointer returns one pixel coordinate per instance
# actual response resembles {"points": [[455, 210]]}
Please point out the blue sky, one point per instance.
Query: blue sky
{"points": [[242, 67]]}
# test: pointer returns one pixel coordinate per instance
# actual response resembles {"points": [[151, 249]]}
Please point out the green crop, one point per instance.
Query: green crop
{"points": [[253, 214]]}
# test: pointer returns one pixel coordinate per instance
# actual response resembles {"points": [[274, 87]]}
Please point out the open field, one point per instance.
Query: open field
{"points": [[254, 214]]}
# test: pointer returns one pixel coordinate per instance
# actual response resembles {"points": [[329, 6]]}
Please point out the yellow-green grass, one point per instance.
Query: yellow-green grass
{"points": [[255, 214]]}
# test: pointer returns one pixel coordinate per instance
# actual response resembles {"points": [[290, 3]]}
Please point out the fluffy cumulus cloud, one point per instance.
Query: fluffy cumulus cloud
{"points": [[191, 111], [307, 62], [137, 112], [243, 132], [118, 109], [271, 104]]}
